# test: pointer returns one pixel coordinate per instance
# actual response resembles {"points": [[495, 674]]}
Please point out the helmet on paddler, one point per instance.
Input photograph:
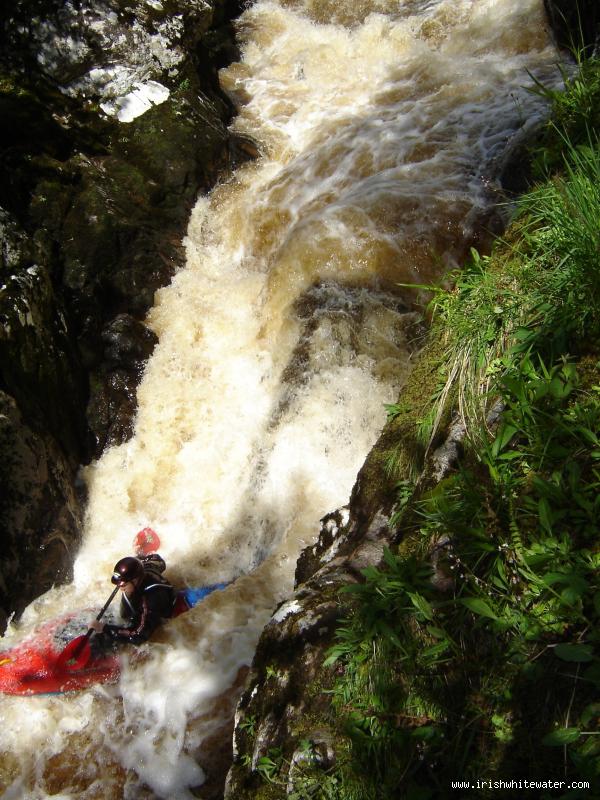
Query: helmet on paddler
{"points": [[127, 569]]}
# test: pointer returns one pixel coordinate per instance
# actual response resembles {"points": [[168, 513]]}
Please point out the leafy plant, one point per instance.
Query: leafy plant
{"points": [[492, 656], [268, 766], [248, 724]]}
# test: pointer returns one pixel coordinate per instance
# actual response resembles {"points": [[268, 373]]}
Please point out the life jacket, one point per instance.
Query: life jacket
{"points": [[154, 566]]}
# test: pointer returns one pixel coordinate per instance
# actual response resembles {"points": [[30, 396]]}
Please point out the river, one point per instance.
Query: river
{"points": [[381, 124]]}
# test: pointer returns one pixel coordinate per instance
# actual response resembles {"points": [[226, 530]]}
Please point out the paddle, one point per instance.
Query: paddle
{"points": [[77, 653]]}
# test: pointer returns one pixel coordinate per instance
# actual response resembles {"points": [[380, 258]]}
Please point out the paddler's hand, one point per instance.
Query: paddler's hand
{"points": [[97, 625]]}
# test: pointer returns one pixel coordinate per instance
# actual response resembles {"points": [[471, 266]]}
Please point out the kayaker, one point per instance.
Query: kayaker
{"points": [[147, 599]]}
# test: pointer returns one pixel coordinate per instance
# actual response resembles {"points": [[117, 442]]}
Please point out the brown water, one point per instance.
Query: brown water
{"points": [[280, 341]]}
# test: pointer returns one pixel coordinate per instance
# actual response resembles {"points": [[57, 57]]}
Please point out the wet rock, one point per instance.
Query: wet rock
{"points": [[575, 24], [102, 166], [285, 713], [39, 365], [106, 50], [345, 540], [513, 168], [242, 149], [40, 517], [215, 754], [279, 716], [28, 131], [325, 548], [14, 244], [42, 431], [128, 343], [112, 408]]}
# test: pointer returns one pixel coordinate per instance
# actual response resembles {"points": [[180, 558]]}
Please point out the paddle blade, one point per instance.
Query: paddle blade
{"points": [[146, 541], [75, 655]]}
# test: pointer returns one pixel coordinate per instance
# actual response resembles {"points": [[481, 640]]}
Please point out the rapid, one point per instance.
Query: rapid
{"points": [[381, 126]]}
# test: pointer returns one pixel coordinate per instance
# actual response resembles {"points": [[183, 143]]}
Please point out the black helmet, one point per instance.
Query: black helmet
{"points": [[127, 569]]}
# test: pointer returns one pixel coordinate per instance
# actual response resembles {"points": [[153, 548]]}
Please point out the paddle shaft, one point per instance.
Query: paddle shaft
{"points": [[101, 613]]}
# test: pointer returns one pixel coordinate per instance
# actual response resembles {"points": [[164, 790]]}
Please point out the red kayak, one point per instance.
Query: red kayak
{"points": [[34, 666], [31, 667]]}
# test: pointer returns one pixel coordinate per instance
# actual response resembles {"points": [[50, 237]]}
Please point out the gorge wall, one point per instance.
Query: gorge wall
{"points": [[113, 121]]}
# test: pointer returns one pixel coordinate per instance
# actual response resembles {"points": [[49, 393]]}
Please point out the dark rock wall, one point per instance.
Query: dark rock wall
{"points": [[93, 208], [43, 393], [576, 24], [39, 509]]}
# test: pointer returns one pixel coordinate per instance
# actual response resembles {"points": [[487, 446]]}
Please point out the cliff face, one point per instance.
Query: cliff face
{"points": [[113, 121]]}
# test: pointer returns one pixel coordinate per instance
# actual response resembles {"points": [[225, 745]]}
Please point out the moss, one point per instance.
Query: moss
{"points": [[177, 145], [399, 453], [588, 370]]}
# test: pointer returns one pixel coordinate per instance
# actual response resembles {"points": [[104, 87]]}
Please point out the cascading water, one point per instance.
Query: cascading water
{"points": [[380, 122]]}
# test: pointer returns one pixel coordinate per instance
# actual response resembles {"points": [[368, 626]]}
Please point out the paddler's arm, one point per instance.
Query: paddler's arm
{"points": [[150, 618]]}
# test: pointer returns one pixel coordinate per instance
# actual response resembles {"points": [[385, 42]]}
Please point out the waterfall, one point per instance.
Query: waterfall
{"points": [[381, 126]]}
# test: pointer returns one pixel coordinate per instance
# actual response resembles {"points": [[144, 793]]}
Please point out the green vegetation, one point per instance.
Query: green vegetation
{"points": [[575, 113], [474, 653]]}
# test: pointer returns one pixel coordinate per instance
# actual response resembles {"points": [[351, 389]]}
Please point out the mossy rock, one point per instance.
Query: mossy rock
{"points": [[179, 145], [399, 453], [15, 246], [28, 129]]}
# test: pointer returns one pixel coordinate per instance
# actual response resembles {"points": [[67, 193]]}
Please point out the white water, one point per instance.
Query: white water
{"points": [[279, 344]]}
